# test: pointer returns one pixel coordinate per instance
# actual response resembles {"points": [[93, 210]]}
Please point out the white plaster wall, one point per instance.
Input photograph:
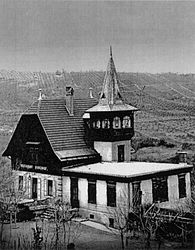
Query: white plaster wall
{"points": [[146, 188], [109, 150], [127, 149], [188, 185], [41, 183], [173, 191], [104, 149], [66, 189], [83, 192], [101, 189], [122, 194]]}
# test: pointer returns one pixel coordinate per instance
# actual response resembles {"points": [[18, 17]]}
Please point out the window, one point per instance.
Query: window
{"points": [[74, 198], [20, 183], [111, 194], [91, 216], [182, 185], [136, 192], [126, 122], [111, 222], [34, 188], [96, 124], [33, 155], [121, 153], [116, 123], [92, 191], [105, 123], [49, 187], [160, 189]]}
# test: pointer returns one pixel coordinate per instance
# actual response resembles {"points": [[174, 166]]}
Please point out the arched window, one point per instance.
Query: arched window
{"points": [[94, 124], [126, 122], [98, 124], [105, 123], [116, 123]]}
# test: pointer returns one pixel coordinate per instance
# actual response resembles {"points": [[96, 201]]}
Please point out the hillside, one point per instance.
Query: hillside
{"points": [[166, 101]]}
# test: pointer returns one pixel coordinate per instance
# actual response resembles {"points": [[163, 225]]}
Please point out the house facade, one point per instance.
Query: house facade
{"points": [[79, 150]]}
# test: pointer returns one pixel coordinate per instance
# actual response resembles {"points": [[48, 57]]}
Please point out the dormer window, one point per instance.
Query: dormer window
{"points": [[126, 122], [116, 123], [105, 123]]}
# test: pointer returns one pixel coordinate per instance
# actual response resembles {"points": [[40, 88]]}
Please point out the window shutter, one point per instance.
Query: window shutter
{"points": [[45, 187], [41, 188], [55, 188]]}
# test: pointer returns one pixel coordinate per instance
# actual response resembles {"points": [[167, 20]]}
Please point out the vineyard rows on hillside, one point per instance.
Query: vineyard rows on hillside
{"points": [[166, 101]]}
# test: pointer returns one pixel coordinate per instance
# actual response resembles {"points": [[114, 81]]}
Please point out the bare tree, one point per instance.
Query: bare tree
{"points": [[10, 196], [65, 229]]}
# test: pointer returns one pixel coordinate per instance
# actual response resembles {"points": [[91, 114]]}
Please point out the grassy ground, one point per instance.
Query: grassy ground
{"points": [[87, 238]]}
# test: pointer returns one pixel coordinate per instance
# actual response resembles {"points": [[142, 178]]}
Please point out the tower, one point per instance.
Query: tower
{"points": [[110, 123]]}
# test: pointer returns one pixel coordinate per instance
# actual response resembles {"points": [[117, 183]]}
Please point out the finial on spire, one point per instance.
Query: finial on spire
{"points": [[110, 51]]}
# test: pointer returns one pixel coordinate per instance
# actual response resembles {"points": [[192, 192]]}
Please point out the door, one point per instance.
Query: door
{"points": [[121, 153], [34, 188], [74, 193]]}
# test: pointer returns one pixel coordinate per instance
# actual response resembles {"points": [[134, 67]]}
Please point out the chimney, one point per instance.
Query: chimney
{"points": [[182, 157], [39, 101], [69, 100], [40, 95], [91, 92]]}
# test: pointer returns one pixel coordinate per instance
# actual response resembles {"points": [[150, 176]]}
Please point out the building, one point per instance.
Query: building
{"points": [[79, 150]]}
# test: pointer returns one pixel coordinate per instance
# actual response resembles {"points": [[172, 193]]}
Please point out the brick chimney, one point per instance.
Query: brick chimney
{"points": [[182, 157], [91, 92], [69, 100]]}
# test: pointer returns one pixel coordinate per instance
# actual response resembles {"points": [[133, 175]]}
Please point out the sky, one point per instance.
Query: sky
{"points": [[52, 35]]}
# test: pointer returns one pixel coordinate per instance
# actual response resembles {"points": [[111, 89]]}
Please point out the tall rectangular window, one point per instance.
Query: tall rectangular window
{"points": [[182, 185], [160, 189], [92, 191], [111, 193], [20, 183], [136, 193], [121, 153], [49, 187]]}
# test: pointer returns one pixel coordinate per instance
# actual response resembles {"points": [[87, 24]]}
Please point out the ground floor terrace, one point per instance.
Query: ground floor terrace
{"points": [[99, 189]]}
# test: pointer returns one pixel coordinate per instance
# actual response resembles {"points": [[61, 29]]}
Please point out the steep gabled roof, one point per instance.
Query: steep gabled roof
{"points": [[65, 133]]}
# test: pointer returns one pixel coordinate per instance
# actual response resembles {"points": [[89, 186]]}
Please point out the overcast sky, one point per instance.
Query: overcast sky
{"points": [[49, 35]]}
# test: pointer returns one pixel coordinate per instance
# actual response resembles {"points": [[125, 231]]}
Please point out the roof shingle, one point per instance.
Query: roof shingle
{"points": [[63, 131]]}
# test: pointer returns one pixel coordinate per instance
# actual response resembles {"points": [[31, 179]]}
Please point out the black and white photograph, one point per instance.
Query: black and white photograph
{"points": [[97, 125]]}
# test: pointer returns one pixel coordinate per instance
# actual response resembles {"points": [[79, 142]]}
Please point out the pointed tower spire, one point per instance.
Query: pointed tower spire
{"points": [[110, 94], [110, 97], [110, 51]]}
